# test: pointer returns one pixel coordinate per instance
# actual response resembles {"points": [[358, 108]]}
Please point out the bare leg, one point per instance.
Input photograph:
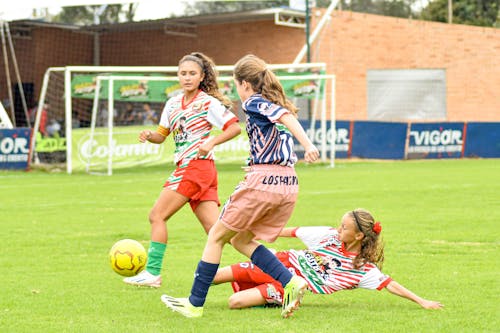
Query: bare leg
{"points": [[246, 298], [218, 236], [168, 203], [244, 242], [207, 213], [224, 274]]}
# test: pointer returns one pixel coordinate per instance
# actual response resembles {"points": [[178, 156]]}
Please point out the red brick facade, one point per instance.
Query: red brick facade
{"points": [[350, 44], [353, 43]]}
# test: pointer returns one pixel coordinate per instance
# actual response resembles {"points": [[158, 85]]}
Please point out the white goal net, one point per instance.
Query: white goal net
{"points": [[76, 130]]}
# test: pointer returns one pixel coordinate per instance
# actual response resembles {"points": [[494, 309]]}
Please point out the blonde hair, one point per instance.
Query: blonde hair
{"points": [[372, 246], [209, 83], [254, 70]]}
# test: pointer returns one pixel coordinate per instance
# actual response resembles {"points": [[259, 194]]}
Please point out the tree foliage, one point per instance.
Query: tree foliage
{"points": [[86, 15], [472, 12], [397, 8], [212, 7]]}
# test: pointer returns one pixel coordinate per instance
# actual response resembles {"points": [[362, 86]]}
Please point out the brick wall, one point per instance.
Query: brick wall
{"points": [[353, 43], [224, 43], [350, 44], [58, 48]]}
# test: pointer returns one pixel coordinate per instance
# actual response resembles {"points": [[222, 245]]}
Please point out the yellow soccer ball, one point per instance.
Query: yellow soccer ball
{"points": [[127, 257]]}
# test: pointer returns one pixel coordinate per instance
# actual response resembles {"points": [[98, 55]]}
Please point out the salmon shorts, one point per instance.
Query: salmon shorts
{"points": [[263, 202], [197, 181]]}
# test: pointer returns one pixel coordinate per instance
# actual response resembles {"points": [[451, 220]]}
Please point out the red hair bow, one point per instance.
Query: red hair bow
{"points": [[377, 228]]}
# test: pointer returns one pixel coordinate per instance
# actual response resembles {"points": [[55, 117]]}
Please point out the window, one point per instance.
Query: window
{"points": [[406, 94]]}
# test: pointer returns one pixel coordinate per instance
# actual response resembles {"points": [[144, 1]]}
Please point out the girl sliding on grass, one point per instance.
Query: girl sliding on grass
{"points": [[336, 259]]}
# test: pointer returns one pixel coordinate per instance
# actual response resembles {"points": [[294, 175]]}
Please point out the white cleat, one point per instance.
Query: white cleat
{"points": [[145, 279]]}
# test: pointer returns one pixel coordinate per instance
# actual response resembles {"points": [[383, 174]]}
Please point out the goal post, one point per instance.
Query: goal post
{"points": [[302, 82], [109, 124]]}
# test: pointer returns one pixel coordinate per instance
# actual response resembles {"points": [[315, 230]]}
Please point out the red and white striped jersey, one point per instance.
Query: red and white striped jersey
{"points": [[191, 124], [327, 267]]}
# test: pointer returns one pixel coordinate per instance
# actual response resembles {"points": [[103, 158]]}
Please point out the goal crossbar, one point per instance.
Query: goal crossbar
{"points": [[70, 70]]}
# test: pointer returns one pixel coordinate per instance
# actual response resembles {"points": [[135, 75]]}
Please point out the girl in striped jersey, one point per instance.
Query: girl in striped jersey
{"points": [[189, 117], [262, 204], [348, 257]]}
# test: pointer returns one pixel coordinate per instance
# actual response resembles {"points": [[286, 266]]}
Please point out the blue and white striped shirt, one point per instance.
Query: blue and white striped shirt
{"points": [[270, 141]]}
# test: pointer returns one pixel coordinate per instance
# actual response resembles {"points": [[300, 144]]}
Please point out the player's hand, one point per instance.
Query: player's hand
{"points": [[431, 305], [145, 135], [311, 154], [204, 149]]}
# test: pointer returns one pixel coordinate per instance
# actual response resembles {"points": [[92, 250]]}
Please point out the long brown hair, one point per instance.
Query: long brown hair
{"points": [[209, 83], [372, 246], [254, 70]]}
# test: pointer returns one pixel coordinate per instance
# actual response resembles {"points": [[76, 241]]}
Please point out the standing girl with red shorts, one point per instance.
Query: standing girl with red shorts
{"points": [[263, 202], [189, 117]]}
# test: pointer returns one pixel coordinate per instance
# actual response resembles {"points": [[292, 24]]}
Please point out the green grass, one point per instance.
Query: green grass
{"points": [[440, 225]]}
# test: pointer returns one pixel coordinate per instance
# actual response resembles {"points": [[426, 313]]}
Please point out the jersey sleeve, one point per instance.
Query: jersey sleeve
{"points": [[219, 115], [274, 112], [374, 279], [314, 237], [164, 119]]}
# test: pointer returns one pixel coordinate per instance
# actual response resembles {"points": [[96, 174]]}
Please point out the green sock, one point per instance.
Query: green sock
{"points": [[155, 257]]}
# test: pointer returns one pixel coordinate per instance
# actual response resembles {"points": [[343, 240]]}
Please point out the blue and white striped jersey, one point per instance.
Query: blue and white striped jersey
{"points": [[270, 141]]}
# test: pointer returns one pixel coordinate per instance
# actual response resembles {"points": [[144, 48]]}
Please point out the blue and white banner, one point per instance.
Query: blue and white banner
{"points": [[483, 140], [374, 139], [341, 137], [14, 148], [435, 140]]}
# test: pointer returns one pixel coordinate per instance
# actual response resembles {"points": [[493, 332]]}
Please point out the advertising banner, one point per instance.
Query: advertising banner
{"points": [[341, 137], [383, 140], [14, 148], [83, 86], [483, 140], [127, 151], [435, 140]]}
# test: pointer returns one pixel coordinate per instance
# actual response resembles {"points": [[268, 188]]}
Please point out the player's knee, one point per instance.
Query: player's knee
{"points": [[155, 218], [235, 302]]}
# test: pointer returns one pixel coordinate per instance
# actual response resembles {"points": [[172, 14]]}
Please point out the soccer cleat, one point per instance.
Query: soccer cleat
{"points": [[145, 279], [294, 291], [182, 306]]}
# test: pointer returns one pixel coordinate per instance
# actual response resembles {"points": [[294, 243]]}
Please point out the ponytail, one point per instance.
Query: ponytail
{"points": [[372, 246], [254, 70], [273, 91]]}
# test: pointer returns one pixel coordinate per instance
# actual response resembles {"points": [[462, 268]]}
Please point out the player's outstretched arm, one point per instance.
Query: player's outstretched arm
{"points": [[311, 153], [395, 288]]}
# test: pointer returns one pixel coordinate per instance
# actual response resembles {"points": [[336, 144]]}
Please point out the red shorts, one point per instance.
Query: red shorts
{"points": [[247, 275], [197, 181], [263, 202]]}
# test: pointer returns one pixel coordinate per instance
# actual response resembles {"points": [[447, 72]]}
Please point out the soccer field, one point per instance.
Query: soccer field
{"points": [[440, 225]]}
